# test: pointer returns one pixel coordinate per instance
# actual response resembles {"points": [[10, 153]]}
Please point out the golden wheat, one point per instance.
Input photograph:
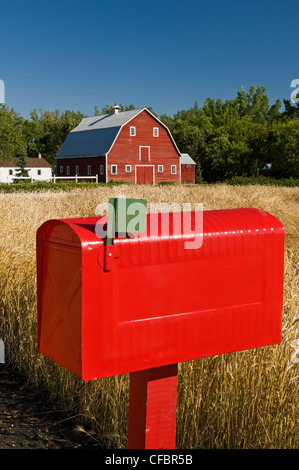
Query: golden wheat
{"points": [[247, 399]]}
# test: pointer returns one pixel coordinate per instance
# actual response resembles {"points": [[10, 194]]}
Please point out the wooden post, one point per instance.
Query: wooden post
{"points": [[152, 408]]}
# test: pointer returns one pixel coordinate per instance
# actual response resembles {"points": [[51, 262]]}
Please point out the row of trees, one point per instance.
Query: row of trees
{"points": [[244, 136]]}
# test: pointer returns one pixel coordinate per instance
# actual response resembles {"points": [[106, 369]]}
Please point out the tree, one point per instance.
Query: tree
{"points": [[12, 140], [109, 109], [47, 131], [22, 163]]}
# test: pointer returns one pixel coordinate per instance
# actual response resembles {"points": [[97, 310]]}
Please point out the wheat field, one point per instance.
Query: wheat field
{"points": [[241, 400]]}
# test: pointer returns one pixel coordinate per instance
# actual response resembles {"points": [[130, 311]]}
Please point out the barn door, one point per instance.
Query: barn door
{"points": [[144, 154], [145, 174]]}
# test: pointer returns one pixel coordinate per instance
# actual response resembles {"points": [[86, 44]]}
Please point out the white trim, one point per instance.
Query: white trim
{"points": [[180, 170], [102, 169], [149, 152], [132, 131], [153, 166], [130, 170], [155, 129], [89, 169], [106, 168], [68, 170], [175, 173], [161, 171], [111, 169]]}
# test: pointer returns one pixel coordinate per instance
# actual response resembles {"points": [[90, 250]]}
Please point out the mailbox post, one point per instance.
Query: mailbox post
{"points": [[137, 302]]}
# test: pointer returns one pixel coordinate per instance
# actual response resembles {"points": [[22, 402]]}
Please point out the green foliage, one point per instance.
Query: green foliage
{"points": [[240, 137], [262, 181], [58, 186], [47, 131], [12, 140], [22, 162]]}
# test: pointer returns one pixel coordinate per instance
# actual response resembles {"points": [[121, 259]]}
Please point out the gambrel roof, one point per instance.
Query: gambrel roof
{"points": [[95, 135]]}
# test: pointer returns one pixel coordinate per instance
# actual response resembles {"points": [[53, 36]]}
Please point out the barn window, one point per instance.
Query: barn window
{"points": [[114, 169], [156, 131], [173, 169], [102, 169], [132, 131], [89, 169], [77, 170], [10, 172], [128, 168], [39, 172], [67, 170], [61, 169], [188, 166], [160, 168]]}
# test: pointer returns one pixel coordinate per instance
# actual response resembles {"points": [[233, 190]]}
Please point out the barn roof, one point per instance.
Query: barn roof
{"points": [[186, 159], [95, 135]]}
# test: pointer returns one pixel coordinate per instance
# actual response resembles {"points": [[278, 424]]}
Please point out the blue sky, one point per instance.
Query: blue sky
{"points": [[74, 54]]}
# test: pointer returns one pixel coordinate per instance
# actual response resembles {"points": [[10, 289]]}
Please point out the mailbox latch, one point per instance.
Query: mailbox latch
{"points": [[109, 257]]}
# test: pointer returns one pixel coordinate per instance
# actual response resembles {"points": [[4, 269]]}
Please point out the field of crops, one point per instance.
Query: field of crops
{"points": [[247, 399]]}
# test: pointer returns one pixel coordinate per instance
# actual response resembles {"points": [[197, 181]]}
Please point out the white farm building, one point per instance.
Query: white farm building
{"points": [[38, 169]]}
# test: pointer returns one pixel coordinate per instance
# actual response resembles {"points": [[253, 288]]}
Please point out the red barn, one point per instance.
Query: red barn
{"points": [[133, 146]]}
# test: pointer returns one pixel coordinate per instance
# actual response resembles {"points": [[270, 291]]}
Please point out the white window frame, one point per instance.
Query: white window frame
{"points": [[61, 168], [156, 131], [68, 170], [128, 168], [88, 170], [132, 131], [173, 169], [113, 166], [149, 151], [160, 168], [102, 169], [77, 170]]}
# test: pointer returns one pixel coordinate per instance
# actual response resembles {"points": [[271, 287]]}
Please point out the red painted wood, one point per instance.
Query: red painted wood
{"points": [[144, 154], [94, 162], [129, 150], [152, 408], [144, 175], [188, 174]]}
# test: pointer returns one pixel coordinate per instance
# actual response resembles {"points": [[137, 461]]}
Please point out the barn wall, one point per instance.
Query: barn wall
{"points": [[188, 174], [127, 151], [83, 163]]}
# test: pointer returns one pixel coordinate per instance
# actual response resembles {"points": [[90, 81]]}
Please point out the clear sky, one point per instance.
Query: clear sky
{"points": [[75, 54]]}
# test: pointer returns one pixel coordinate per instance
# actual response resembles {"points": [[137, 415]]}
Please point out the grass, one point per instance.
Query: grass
{"points": [[247, 399]]}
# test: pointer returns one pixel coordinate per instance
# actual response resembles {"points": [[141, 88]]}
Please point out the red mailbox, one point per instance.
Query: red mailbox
{"points": [[147, 301]]}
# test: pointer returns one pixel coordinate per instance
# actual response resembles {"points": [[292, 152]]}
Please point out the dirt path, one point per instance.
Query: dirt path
{"points": [[29, 421]]}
